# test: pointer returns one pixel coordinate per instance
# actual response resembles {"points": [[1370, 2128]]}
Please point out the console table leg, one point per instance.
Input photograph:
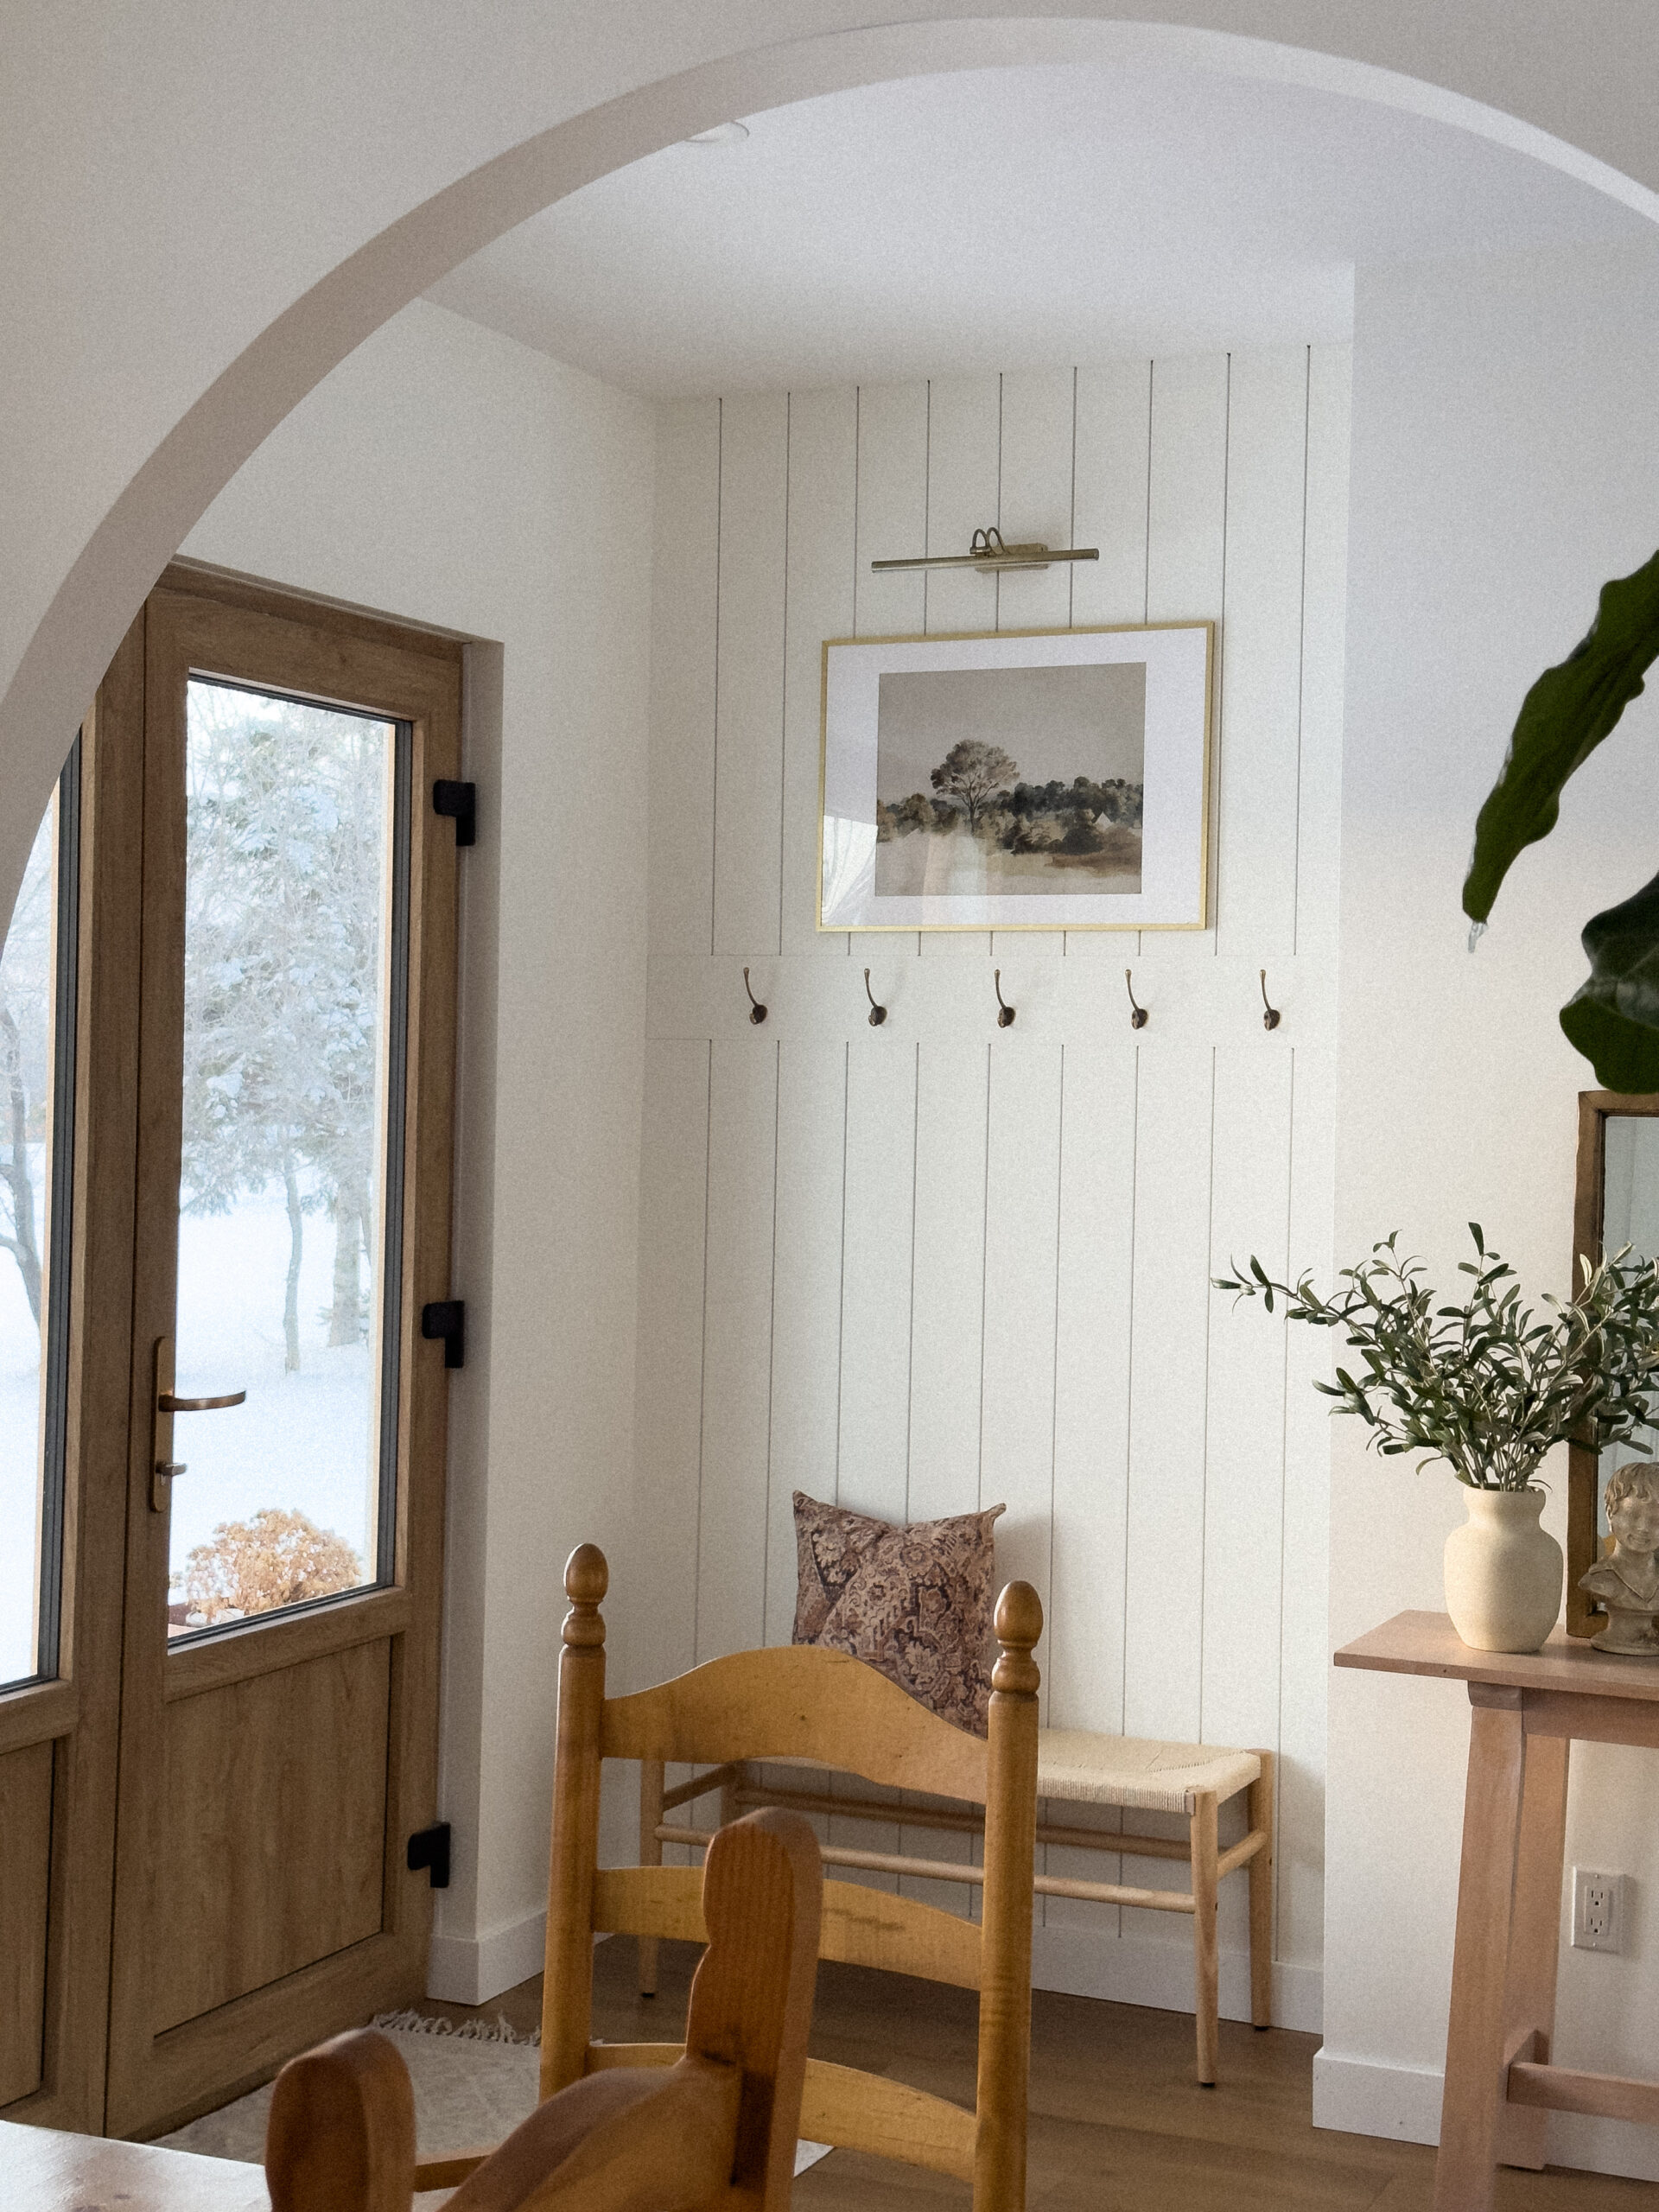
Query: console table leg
{"points": [[1472, 2106], [1534, 1937]]}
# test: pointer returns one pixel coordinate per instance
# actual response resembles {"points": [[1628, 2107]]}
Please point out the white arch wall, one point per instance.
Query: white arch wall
{"points": [[1505, 462], [205, 212]]}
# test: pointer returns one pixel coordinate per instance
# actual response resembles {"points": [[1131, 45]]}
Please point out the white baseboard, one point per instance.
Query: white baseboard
{"points": [[472, 1969], [1357, 2097], [1128, 1970]]}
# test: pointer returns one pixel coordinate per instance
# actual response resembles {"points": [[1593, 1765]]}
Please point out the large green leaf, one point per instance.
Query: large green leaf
{"points": [[1564, 717], [1613, 1020]]}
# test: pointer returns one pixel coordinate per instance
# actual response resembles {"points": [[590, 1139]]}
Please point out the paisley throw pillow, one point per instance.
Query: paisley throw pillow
{"points": [[915, 1604]]}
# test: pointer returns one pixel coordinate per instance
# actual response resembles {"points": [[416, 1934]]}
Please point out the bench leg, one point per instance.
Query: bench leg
{"points": [[1259, 1812], [1206, 1960], [650, 1854]]}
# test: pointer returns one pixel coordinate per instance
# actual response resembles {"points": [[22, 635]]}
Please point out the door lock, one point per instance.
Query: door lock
{"points": [[163, 1404]]}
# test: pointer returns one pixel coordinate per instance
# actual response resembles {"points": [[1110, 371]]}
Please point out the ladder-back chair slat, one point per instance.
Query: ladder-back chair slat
{"points": [[794, 1701], [861, 1927], [855, 2110]]}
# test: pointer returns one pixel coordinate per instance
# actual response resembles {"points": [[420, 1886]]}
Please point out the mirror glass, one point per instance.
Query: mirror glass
{"points": [[1630, 1216]]}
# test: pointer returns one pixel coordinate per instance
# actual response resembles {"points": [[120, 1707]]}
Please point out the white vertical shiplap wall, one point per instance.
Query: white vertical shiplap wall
{"points": [[936, 1265]]}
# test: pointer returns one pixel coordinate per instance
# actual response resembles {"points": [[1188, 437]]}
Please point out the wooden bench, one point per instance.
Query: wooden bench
{"points": [[1074, 1766]]}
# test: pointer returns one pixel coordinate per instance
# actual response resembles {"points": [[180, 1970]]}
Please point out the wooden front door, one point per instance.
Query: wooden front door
{"points": [[212, 1785]]}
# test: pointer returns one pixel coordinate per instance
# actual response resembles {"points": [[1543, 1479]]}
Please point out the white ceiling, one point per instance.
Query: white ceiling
{"points": [[1008, 217]]}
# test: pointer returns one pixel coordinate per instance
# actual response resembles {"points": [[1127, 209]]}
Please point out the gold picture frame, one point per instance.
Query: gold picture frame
{"points": [[1096, 850]]}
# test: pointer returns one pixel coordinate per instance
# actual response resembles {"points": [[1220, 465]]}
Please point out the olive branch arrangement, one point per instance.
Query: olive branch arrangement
{"points": [[1488, 1386]]}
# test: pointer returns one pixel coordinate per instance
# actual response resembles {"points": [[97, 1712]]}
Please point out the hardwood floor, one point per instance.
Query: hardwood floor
{"points": [[1118, 2124]]}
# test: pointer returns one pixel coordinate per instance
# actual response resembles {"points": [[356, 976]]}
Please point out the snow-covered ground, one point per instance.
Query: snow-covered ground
{"points": [[304, 1441]]}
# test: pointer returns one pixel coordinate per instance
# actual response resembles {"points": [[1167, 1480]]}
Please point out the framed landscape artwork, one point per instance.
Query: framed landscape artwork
{"points": [[1049, 780]]}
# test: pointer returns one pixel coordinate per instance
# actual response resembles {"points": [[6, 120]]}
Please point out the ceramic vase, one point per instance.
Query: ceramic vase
{"points": [[1503, 1572]]}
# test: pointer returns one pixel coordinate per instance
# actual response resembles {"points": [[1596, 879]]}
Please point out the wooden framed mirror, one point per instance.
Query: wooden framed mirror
{"points": [[1616, 1203]]}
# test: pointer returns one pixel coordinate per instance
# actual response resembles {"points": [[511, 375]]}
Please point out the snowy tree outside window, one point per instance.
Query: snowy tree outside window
{"points": [[25, 1115], [286, 901]]}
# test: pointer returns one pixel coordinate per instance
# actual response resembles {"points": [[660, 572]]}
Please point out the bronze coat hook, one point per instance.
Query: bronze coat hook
{"points": [[1005, 1019], [757, 1012], [1139, 1017], [878, 1014], [1271, 1017]]}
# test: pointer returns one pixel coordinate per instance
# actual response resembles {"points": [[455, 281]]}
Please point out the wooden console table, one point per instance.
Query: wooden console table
{"points": [[1526, 1709]]}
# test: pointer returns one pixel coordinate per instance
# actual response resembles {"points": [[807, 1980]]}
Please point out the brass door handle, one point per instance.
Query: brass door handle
{"points": [[162, 1406]]}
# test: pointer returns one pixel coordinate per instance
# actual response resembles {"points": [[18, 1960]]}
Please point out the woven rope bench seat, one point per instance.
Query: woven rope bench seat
{"points": [[1077, 1766], [1081, 1767]]}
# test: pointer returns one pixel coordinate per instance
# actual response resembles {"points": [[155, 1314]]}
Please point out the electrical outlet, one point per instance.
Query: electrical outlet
{"points": [[1597, 1911]]}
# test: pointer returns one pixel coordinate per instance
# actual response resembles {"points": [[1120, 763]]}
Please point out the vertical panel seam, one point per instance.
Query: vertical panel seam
{"points": [[984, 1273], [1128, 1395], [1146, 590], [1072, 575], [1212, 859], [858, 480], [772, 1329], [1146, 542], [1284, 1477], [927, 492], [1054, 1377], [858, 455], [927, 531], [783, 687], [996, 586], [910, 1353], [996, 625], [714, 809], [1204, 1448], [1071, 517], [702, 1353], [840, 1302], [1301, 666]]}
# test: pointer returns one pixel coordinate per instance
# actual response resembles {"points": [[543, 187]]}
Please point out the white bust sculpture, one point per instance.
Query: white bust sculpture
{"points": [[1627, 1580]]}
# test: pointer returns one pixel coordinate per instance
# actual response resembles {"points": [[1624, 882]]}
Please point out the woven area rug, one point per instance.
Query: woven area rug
{"points": [[473, 2085]]}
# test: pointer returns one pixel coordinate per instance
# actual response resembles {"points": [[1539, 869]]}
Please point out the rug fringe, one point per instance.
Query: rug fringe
{"points": [[409, 2023]]}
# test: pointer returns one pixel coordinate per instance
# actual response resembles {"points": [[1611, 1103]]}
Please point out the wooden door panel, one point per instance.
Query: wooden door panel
{"points": [[271, 1771], [26, 1861], [276, 1795]]}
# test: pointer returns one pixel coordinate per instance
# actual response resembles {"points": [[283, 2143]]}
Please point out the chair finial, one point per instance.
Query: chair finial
{"points": [[587, 1578], [1018, 1626]]}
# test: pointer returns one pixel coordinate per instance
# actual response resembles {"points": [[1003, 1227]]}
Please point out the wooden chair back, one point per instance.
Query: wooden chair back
{"points": [[802, 1702], [713, 2132]]}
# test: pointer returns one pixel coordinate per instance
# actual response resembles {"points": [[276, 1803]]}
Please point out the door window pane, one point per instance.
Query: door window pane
{"points": [[289, 1197], [36, 1088]]}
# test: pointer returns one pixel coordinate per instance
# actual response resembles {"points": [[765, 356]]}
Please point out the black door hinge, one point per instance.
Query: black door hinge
{"points": [[445, 1320], [459, 802], [430, 1849]]}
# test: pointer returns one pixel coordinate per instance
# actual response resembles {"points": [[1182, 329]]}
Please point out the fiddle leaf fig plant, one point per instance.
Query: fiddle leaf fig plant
{"points": [[1614, 1018], [1489, 1385]]}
